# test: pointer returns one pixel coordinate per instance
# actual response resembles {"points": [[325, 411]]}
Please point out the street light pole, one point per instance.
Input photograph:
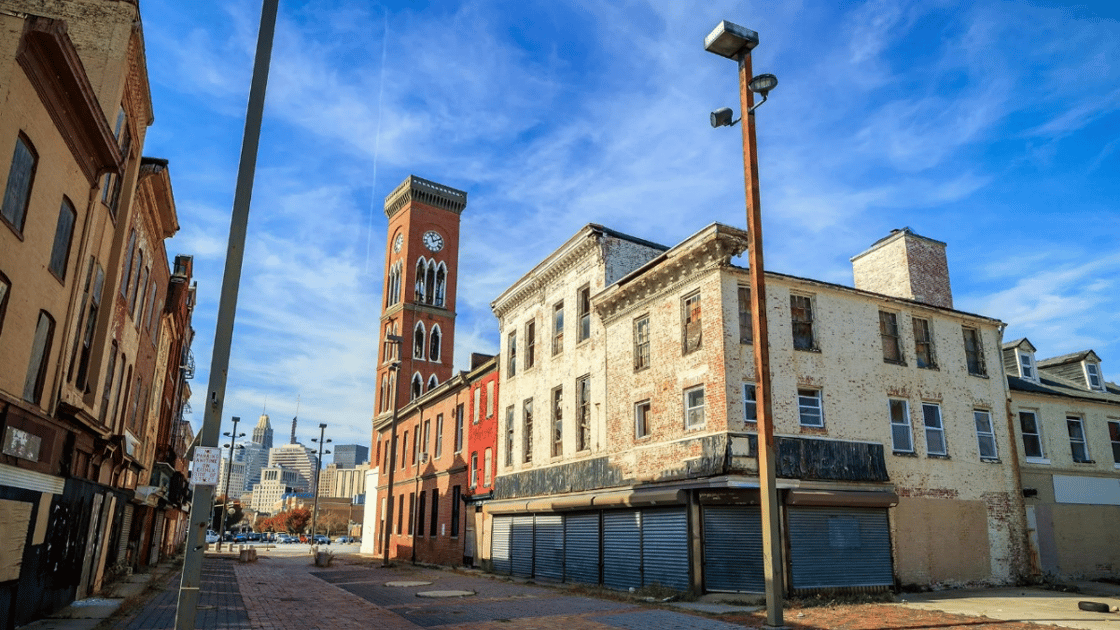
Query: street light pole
{"points": [[735, 42], [229, 473], [394, 342], [318, 469]]}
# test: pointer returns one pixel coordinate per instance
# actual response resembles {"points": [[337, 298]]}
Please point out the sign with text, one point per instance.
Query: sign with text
{"points": [[207, 465]]}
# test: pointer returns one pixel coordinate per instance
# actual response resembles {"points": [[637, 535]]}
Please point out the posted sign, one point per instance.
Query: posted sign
{"points": [[207, 464]]}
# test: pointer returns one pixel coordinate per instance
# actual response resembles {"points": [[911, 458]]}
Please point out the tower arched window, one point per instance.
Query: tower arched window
{"points": [[418, 341], [421, 272], [441, 284], [433, 382], [434, 341], [384, 393], [430, 281], [393, 285], [417, 384]]}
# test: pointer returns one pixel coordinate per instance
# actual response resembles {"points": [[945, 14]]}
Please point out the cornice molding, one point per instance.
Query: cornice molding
{"points": [[417, 189], [538, 280]]}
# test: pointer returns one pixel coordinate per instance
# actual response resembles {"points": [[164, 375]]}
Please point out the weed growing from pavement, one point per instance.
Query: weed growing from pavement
{"points": [[831, 600]]}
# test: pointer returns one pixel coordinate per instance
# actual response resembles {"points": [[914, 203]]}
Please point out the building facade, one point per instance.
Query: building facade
{"points": [[350, 455], [632, 431]]}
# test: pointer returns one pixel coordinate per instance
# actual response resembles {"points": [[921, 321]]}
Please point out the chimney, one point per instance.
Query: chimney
{"points": [[905, 265]]}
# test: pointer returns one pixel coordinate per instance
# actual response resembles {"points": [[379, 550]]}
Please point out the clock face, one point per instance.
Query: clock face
{"points": [[398, 242], [433, 241]]}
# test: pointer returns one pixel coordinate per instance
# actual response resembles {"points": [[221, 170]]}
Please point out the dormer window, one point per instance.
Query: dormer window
{"points": [[1026, 366], [1093, 376]]}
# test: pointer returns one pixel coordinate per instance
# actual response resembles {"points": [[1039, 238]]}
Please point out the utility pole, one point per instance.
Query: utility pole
{"points": [[393, 341], [229, 473], [318, 469], [203, 498]]}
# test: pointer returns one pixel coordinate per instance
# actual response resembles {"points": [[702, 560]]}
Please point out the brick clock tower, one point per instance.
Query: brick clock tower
{"points": [[421, 267]]}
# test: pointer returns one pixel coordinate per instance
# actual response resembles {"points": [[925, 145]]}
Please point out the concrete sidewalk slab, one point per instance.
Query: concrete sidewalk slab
{"points": [[1018, 604]]}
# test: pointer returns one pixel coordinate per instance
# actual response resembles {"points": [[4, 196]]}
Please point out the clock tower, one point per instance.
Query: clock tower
{"points": [[418, 304]]}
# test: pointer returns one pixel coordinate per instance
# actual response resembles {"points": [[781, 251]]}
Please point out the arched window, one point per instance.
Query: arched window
{"points": [[433, 344], [418, 341], [417, 384], [421, 271], [393, 285], [430, 281], [384, 393], [432, 383], [441, 283]]}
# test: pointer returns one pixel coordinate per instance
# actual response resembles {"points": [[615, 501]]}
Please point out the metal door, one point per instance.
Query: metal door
{"points": [[548, 547], [837, 547], [733, 549], [581, 548], [665, 548], [499, 544], [521, 545], [622, 549]]}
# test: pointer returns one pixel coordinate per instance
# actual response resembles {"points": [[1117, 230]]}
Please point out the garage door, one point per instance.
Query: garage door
{"points": [[581, 548], [548, 547], [622, 549], [499, 544], [521, 545], [733, 549], [834, 547], [665, 548]]}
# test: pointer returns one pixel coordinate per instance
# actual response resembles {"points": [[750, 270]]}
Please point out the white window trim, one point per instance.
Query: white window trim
{"points": [[819, 397], [991, 433], [940, 428], [687, 408], [638, 405], [1089, 380], [1084, 439], [1041, 443], [909, 426], [746, 388], [1029, 365]]}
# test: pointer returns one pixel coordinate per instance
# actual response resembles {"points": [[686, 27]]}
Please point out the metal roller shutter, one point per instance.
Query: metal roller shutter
{"points": [[126, 527], [157, 539], [836, 547], [665, 548], [622, 549], [548, 547], [581, 548], [733, 549], [499, 544], [521, 545]]}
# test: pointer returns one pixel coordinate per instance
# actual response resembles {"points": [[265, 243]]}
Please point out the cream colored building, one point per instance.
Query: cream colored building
{"points": [[626, 451], [1067, 423], [276, 481]]}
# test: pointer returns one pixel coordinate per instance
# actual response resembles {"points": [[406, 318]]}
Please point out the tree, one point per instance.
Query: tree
{"points": [[330, 522], [232, 517], [296, 520]]}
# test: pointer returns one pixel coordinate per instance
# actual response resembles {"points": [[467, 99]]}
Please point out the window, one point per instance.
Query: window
{"points": [[693, 322], [40, 358], [641, 343], [459, 428], [418, 341], [1114, 436], [1093, 373], [801, 316], [417, 386], [415, 444], [63, 230], [400, 513], [426, 436], [935, 432], [511, 347], [430, 282], [420, 514], [557, 328], [151, 310], [746, 330], [641, 419], [528, 429], [126, 270], [583, 308], [107, 390], [439, 435], [111, 190], [435, 513], [530, 344], [474, 471], [411, 513], [750, 404], [487, 462], [509, 435], [5, 289], [583, 411], [17, 195], [901, 438], [441, 284], [490, 401], [434, 345], [1026, 366], [455, 494], [888, 331], [809, 407], [476, 404], [1078, 448], [404, 449], [135, 288], [923, 344], [973, 351], [985, 435], [558, 422], [1032, 435], [421, 271], [694, 407]]}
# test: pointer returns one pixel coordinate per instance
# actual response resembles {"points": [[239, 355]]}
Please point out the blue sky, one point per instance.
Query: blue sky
{"points": [[992, 126]]}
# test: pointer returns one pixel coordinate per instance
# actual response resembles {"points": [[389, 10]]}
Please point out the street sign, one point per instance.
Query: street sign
{"points": [[207, 465]]}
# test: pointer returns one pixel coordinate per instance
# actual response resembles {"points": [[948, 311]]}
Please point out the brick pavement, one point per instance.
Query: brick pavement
{"points": [[220, 605]]}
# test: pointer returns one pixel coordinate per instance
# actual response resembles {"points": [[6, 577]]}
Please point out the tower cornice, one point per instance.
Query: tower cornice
{"points": [[415, 188]]}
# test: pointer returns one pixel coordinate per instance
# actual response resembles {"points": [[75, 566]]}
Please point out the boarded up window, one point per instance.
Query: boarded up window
{"points": [[583, 411], [746, 331], [641, 343], [973, 351], [888, 331], [923, 344], [693, 323], [801, 316]]}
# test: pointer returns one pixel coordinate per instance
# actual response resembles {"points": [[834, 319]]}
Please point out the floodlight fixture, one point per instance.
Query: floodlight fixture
{"points": [[730, 40]]}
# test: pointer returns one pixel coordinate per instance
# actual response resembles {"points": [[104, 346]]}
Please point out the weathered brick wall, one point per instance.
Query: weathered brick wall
{"points": [[908, 266]]}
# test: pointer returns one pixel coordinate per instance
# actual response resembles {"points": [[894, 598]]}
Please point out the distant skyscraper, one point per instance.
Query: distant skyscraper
{"points": [[298, 458], [262, 434], [350, 455]]}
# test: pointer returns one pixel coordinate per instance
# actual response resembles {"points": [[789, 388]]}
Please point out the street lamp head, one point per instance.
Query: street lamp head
{"points": [[730, 40], [722, 117], [762, 84], [323, 425]]}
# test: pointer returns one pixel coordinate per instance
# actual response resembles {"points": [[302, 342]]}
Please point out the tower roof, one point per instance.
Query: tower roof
{"points": [[263, 422], [415, 188]]}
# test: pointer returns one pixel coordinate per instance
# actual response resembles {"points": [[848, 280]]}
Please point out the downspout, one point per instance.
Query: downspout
{"points": [[1019, 556]]}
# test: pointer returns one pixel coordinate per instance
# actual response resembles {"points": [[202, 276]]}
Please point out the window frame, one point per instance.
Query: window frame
{"points": [[750, 403], [985, 415], [19, 207], [583, 314], [460, 412], [642, 410], [926, 358], [1072, 419], [1094, 374], [5, 293], [891, 337], [802, 317], [746, 322], [487, 462], [938, 430], [692, 323], [41, 345], [557, 408], [1027, 368], [558, 328], [439, 436], [641, 343], [530, 343], [974, 358], [510, 413], [473, 481], [1114, 438], [60, 251], [583, 413], [692, 410], [805, 394], [896, 425], [1036, 435], [527, 430], [511, 353]]}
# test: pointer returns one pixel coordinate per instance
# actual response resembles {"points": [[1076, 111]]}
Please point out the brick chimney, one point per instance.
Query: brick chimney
{"points": [[905, 265]]}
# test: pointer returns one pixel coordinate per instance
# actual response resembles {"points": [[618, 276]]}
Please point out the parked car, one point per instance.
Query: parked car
{"points": [[320, 539], [347, 539], [253, 537], [240, 538], [211, 537]]}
